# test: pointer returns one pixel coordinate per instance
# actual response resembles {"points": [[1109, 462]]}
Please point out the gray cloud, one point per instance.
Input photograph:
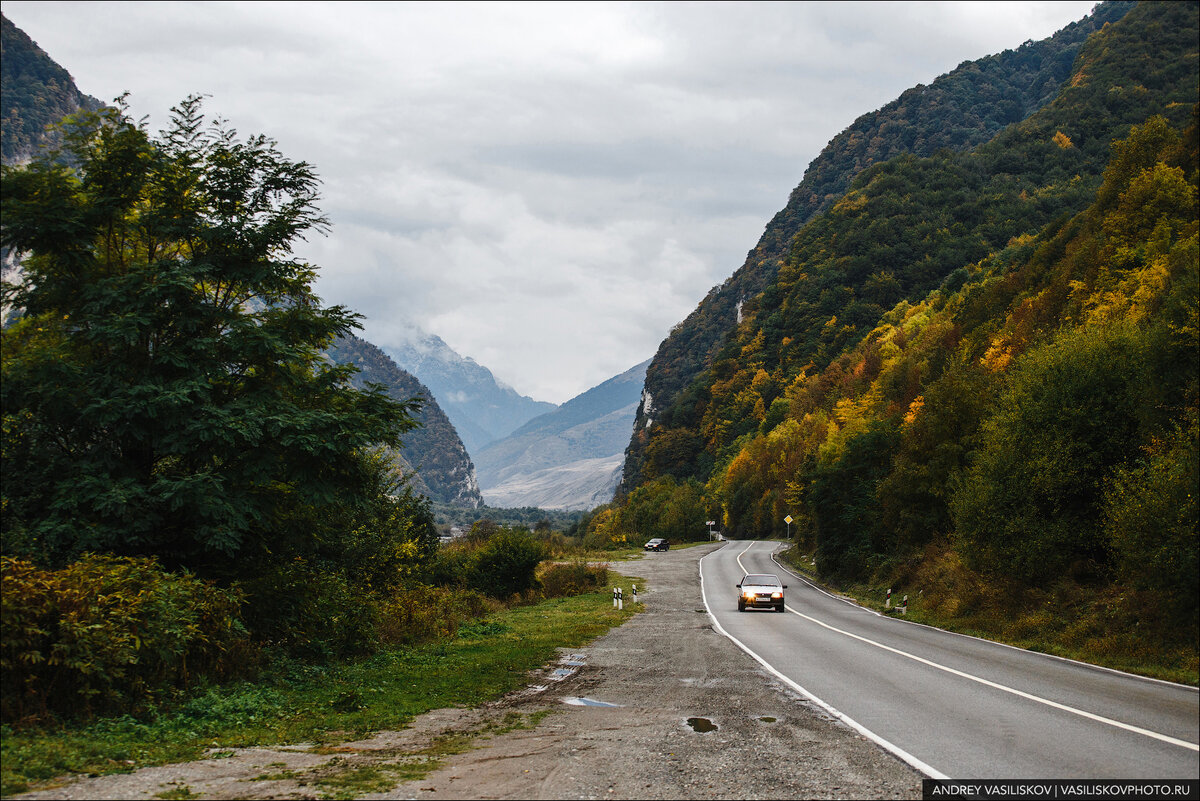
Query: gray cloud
{"points": [[548, 187]]}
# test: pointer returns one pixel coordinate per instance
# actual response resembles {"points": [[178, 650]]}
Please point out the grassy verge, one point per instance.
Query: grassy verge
{"points": [[324, 705], [1067, 620]]}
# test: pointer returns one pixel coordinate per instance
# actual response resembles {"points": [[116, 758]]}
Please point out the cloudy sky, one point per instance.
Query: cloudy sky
{"points": [[548, 187]]}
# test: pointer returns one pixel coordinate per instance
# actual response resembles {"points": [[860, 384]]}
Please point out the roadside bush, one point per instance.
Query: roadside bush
{"points": [[451, 564], [314, 613], [421, 613], [109, 634], [498, 562], [1152, 518], [506, 564], [574, 578]]}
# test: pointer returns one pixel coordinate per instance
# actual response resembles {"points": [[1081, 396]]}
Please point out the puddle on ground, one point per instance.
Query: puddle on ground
{"points": [[702, 725], [587, 702], [558, 674], [573, 663], [766, 719]]}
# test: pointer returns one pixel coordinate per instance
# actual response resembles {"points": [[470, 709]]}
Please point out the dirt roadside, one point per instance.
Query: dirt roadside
{"points": [[757, 739]]}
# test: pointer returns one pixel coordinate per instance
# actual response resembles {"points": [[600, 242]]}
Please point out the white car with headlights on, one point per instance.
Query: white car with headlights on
{"points": [[760, 591]]}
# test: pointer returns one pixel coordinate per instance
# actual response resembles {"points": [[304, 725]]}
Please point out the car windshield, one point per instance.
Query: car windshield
{"points": [[762, 578]]}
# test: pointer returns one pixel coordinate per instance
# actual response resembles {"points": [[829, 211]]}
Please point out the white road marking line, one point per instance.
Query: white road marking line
{"points": [[887, 745], [1055, 657], [1019, 693]]}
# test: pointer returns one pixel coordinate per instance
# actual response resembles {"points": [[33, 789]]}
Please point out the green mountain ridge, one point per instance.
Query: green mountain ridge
{"points": [[36, 93], [959, 110]]}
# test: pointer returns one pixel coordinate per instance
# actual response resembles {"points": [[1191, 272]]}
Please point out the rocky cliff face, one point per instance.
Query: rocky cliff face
{"points": [[434, 451]]}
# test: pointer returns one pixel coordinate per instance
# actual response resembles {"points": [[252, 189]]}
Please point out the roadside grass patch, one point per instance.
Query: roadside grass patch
{"points": [[177, 791], [291, 702]]}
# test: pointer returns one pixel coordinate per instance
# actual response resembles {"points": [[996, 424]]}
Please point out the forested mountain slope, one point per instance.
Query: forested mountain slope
{"points": [[34, 92], [958, 111], [977, 373], [443, 470]]}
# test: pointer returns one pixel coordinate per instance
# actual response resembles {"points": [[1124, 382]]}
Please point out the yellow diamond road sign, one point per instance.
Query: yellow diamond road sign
{"points": [[788, 520]]}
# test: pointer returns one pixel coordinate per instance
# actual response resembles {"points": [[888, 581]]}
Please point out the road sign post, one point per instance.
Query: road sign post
{"points": [[788, 520]]}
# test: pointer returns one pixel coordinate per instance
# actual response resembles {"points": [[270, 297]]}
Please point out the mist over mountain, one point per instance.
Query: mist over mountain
{"points": [[482, 408], [569, 458]]}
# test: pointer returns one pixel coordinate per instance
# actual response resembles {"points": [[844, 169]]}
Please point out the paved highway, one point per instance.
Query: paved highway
{"points": [[950, 705]]}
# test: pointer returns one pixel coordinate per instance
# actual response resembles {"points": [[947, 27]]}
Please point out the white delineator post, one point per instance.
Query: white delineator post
{"points": [[888, 603], [904, 606], [615, 597], [620, 598], [635, 593]]}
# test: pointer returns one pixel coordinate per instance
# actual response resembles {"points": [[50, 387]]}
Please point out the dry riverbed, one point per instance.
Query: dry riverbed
{"points": [[684, 714]]}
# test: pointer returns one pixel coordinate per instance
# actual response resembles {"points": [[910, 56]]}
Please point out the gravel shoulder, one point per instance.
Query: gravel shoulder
{"points": [[660, 669]]}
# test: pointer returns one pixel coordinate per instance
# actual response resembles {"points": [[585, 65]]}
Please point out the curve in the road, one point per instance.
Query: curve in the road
{"points": [[887, 745]]}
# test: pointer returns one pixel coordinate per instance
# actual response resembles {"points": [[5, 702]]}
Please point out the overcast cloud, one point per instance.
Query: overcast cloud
{"points": [[547, 187]]}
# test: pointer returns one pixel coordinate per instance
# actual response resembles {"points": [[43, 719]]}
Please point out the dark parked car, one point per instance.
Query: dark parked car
{"points": [[760, 591], [657, 544]]}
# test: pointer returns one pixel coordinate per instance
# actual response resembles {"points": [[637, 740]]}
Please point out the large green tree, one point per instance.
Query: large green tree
{"points": [[165, 391]]}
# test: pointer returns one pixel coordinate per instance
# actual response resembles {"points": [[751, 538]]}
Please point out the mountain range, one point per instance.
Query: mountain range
{"points": [[568, 458], [433, 453]]}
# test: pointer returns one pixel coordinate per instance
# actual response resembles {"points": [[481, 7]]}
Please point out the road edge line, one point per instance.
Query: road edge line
{"points": [[886, 745]]}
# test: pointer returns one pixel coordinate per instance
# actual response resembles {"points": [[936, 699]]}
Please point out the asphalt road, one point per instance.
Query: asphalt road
{"points": [[954, 706]]}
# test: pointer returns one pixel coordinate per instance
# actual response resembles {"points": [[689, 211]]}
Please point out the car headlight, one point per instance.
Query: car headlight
{"points": [[777, 595], [747, 593]]}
